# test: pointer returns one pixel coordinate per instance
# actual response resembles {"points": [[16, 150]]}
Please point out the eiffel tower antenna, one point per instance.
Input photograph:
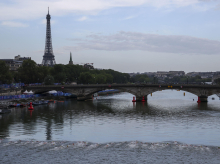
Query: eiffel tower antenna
{"points": [[48, 58]]}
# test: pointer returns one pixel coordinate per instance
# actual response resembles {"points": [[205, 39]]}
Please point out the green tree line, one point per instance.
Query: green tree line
{"points": [[30, 72]]}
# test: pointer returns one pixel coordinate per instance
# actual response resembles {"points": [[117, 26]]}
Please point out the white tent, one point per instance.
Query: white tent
{"points": [[28, 93], [53, 91]]}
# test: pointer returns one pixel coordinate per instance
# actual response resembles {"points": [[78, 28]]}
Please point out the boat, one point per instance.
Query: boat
{"points": [[36, 103], [23, 105], [43, 102], [14, 105], [3, 111], [40, 102]]}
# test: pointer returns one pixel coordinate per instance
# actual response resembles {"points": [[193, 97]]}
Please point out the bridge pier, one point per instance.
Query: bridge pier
{"points": [[140, 98], [202, 98]]}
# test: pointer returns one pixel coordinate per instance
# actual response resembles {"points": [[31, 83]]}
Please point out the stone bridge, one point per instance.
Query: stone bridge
{"points": [[84, 92]]}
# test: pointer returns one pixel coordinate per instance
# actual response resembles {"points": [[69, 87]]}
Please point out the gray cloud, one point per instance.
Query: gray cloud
{"points": [[124, 41], [26, 9]]}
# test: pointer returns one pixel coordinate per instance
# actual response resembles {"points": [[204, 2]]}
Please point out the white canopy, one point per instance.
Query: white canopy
{"points": [[53, 91], [28, 93]]}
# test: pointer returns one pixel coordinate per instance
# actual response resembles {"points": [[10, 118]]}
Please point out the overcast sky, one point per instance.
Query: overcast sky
{"points": [[124, 35]]}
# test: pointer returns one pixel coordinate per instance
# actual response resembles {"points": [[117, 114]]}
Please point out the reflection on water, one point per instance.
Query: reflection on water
{"points": [[166, 116]]}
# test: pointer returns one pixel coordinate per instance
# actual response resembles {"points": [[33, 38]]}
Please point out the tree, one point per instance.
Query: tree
{"points": [[42, 72], [28, 71], [5, 74], [109, 78], [217, 81], [49, 80], [100, 79], [60, 77], [141, 78], [86, 77]]}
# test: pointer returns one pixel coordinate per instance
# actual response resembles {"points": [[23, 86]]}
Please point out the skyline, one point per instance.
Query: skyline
{"points": [[126, 35]]}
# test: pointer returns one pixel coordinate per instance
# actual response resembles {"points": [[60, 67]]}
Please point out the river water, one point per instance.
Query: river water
{"points": [[168, 128]]}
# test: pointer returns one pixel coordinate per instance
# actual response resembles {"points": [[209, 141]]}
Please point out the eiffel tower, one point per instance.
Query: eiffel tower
{"points": [[48, 58]]}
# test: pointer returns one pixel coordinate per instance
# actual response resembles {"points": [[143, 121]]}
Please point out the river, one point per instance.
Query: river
{"points": [[168, 128]]}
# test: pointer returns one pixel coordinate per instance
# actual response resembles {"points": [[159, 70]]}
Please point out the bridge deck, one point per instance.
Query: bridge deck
{"points": [[123, 85]]}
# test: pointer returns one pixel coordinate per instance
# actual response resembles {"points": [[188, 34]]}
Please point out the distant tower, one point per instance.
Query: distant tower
{"points": [[48, 58], [71, 61]]}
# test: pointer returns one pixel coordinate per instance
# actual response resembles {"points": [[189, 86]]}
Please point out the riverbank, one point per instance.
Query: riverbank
{"points": [[7, 102]]}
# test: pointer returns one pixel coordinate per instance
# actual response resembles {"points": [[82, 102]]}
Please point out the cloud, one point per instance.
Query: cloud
{"points": [[13, 24], [126, 41], [82, 18], [34, 9], [129, 17]]}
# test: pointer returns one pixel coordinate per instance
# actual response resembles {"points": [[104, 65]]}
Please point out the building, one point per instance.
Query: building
{"points": [[71, 61], [201, 74], [150, 74], [88, 65], [15, 63], [162, 74], [177, 73]]}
